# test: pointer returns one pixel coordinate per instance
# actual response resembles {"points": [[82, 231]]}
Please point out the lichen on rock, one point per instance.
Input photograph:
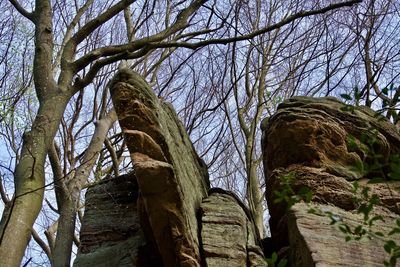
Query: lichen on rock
{"points": [[111, 234], [321, 142], [227, 232], [171, 178]]}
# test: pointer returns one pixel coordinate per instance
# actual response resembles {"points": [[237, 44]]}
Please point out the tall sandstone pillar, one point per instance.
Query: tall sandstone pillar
{"points": [[171, 177]]}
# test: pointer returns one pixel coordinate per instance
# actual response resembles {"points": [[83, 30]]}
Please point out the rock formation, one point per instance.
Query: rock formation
{"points": [[169, 216], [227, 232], [319, 142], [171, 179], [164, 213], [111, 234]]}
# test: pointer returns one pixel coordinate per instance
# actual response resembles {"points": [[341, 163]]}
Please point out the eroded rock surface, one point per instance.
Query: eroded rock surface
{"points": [[172, 178], [319, 143], [315, 242], [227, 232], [315, 132], [110, 233]]}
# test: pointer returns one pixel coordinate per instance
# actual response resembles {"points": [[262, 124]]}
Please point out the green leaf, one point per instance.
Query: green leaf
{"points": [[274, 257], [365, 191], [394, 231], [344, 228], [374, 200], [393, 261], [358, 230], [389, 246], [375, 218], [312, 211], [379, 234], [355, 186], [282, 263], [346, 97]]}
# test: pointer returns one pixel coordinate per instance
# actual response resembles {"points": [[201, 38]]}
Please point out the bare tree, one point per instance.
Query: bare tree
{"points": [[66, 60], [252, 77]]}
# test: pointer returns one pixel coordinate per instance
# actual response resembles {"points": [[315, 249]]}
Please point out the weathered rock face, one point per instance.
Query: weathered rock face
{"points": [[164, 215], [111, 234], [227, 232], [320, 144], [171, 177], [315, 242], [315, 133]]}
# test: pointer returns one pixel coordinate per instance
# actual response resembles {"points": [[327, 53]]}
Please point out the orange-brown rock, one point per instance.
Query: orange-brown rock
{"points": [[171, 177], [177, 222], [320, 142]]}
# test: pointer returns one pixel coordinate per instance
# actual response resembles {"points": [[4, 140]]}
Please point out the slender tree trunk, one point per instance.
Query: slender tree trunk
{"points": [[255, 198], [254, 193], [61, 256], [22, 211], [29, 179]]}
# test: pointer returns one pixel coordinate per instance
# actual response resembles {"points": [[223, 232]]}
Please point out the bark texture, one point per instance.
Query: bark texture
{"points": [[21, 213]]}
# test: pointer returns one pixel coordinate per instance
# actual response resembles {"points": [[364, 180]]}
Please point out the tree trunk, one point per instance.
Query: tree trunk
{"points": [[29, 179], [66, 223], [255, 198]]}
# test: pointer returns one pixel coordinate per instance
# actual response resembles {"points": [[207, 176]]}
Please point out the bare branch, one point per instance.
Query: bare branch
{"points": [[3, 193], [81, 83], [51, 206], [50, 234], [41, 243], [155, 41], [128, 23], [145, 44], [69, 30], [69, 50], [114, 157], [290, 19], [92, 25], [23, 11], [60, 188]]}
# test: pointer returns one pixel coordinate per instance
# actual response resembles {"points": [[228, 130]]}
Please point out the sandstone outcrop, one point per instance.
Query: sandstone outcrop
{"points": [[320, 142], [175, 212], [170, 175], [111, 234], [164, 214], [227, 232]]}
